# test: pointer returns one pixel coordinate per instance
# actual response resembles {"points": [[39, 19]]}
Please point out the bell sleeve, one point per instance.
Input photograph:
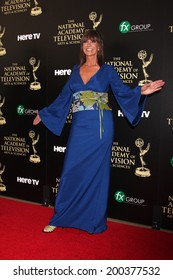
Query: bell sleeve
{"points": [[129, 99], [54, 116]]}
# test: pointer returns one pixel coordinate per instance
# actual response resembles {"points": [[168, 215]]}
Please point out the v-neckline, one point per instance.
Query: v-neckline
{"points": [[90, 78]]}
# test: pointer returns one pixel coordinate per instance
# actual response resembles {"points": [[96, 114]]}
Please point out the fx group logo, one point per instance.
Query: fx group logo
{"points": [[21, 110], [125, 27], [171, 161], [120, 196]]}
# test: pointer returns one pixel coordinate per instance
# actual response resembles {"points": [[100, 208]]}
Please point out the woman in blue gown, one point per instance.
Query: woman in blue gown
{"points": [[82, 197]]}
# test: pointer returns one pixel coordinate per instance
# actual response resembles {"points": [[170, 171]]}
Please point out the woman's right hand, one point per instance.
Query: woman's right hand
{"points": [[37, 119]]}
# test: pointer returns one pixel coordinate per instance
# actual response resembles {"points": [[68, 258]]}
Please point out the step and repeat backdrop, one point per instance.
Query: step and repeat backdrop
{"points": [[39, 44]]}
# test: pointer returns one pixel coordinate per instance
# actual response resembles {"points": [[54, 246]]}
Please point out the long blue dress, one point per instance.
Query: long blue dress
{"points": [[82, 197]]}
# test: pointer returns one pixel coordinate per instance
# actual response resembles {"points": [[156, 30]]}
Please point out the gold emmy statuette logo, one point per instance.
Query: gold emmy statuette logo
{"points": [[142, 55], [142, 171], [2, 119], [92, 17], [34, 158], [2, 186], [34, 85], [2, 50], [36, 11]]}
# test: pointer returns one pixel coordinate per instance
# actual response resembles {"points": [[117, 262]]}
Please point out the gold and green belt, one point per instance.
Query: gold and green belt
{"points": [[91, 100]]}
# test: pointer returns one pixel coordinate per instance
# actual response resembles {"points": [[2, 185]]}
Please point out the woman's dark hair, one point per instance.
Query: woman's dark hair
{"points": [[92, 35]]}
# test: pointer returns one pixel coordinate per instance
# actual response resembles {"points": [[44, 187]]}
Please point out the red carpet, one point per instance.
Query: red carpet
{"points": [[22, 238]]}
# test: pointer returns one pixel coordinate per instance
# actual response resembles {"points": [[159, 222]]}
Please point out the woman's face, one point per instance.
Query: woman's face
{"points": [[90, 47]]}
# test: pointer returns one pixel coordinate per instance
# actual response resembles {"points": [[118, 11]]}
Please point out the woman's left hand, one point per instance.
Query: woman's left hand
{"points": [[152, 87]]}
